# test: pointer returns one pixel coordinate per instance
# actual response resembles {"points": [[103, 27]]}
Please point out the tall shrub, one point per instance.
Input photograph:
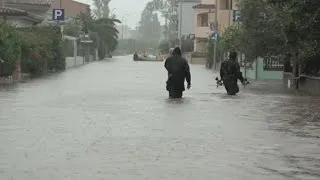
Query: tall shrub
{"points": [[9, 48]]}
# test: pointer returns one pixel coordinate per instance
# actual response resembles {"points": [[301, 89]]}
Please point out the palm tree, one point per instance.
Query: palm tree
{"points": [[102, 31]]}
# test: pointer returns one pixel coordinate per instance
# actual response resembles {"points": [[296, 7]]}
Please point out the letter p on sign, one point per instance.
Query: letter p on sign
{"points": [[58, 14]]}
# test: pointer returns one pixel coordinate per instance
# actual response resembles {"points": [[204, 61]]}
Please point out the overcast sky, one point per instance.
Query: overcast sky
{"points": [[129, 10]]}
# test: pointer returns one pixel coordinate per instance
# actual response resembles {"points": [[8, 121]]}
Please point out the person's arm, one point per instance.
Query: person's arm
{"points": [[187, 72], [222, 69], [239, 73], [166, 64]]}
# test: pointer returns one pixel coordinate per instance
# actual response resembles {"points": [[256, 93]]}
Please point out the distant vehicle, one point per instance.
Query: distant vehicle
{"points": [[145, 57]]}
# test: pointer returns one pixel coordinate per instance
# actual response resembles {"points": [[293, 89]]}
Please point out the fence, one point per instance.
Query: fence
{"points": [[273, 63], [78, 53], [270, 68], [71, 51]]}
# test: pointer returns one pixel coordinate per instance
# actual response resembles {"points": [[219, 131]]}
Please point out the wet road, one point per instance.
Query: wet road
{"points": [[112, 120]]}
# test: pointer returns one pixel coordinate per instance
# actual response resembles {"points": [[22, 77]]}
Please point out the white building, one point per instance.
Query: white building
{"points": [[186, 17], [125, 32]]}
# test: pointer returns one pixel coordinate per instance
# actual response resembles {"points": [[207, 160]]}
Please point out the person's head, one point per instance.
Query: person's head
{"points": [[233, 55], [176, 51]]}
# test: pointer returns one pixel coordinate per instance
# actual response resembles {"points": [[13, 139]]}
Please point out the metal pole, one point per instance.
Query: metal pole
{"points": [[122, 27], [216, 31], [180, 25], [230, 10], [60, 3]]}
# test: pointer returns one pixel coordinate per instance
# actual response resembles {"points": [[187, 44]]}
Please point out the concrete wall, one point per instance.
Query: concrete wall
{"points": [[257, 72], [74, 61], [198, 60], [307, 84], [199, 45]]}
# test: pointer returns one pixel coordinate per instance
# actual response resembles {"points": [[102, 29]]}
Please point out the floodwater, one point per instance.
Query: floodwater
{"points": [[113, 120]]}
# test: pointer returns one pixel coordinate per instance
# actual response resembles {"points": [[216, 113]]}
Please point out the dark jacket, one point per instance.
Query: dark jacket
{"points": [[230, 69], [178, 71], [230, 73]]}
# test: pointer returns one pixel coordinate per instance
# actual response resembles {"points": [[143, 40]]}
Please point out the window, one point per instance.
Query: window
{"points": [[203, 18]]}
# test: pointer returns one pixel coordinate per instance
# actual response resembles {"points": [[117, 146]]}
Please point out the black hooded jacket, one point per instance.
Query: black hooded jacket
{"points": [[178, 71]]}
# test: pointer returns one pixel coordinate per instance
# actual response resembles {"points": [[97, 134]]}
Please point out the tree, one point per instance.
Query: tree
{"points": [[102, 9], [149, 25], [106, 34], [169, 11], [9, 49], [272, 27]]}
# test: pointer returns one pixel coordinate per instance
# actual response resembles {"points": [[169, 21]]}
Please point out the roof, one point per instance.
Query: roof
{"points": [[6, 11], [204, 6], [38, 3]]}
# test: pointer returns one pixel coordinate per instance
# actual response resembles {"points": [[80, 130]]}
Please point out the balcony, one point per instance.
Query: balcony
{"points": [[203, 20], [203, 32]]}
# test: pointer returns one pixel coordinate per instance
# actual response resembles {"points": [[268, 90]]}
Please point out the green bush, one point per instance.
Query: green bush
{"points": [[41, 50], [9, 48]]}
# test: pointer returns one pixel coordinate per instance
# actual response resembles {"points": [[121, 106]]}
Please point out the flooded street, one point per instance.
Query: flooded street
{"points": [[112, 120]]}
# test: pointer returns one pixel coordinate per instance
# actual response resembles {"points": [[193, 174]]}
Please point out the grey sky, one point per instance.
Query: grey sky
{"points": [[129, 10]]}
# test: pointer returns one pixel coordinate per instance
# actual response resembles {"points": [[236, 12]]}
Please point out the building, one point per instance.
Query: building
{"points": [[186, 17], [125, 32], [226, 12], [205, 17], [72, 8], [33, 11]]}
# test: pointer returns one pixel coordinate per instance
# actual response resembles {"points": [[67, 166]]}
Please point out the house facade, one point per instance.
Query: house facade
{"points": [[34, 11], [206, 13], [203, 19]]}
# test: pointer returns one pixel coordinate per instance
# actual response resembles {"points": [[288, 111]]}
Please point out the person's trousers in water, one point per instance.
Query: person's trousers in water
{"points": [[231, 86], [175, 94]]}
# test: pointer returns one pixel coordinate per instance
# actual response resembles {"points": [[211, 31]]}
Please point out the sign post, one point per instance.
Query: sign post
{"points": [[58, 15]]}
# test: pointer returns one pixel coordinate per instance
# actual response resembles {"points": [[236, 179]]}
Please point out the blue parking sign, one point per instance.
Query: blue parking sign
{"points": [[58, 14]]}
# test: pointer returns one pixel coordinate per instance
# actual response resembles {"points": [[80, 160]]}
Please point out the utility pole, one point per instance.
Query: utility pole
{"points": [[180, 24], [230, 12], [216, 39], [167, 25], [122, 31]]}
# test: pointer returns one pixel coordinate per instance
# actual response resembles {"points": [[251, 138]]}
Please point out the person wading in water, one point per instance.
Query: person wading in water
{"points": [[230, 73], [178, 71]]}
